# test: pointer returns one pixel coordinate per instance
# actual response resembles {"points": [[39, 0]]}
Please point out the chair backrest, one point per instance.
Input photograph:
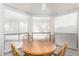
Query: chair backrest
{"points": [[53, 38], [63, 49], [15, 51]]}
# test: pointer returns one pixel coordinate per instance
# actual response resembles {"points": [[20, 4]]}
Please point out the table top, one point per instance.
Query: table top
{"points": [[39, 48]]}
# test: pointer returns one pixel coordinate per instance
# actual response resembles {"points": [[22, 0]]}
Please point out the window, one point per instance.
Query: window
{"points": [[66, 29], [41, 24], [66, 23], [16, 26], [41, 27], [15, 22]]}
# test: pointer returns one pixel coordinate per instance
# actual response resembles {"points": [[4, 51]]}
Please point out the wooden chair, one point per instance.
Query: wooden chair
{"points": [[15, 51], [53, 38], [62, 51]]}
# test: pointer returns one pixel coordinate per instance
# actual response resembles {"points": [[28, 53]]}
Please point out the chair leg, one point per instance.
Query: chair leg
{"points": [[25, 54]]}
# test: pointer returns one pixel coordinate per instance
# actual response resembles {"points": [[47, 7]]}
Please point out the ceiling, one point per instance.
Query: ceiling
{"points": [[51, 8]]}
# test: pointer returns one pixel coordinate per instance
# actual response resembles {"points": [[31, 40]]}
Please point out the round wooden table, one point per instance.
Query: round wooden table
{"points": [[38, 48]]}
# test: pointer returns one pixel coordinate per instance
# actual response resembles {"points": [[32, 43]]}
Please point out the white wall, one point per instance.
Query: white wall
{"points": [[1, 30]]}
